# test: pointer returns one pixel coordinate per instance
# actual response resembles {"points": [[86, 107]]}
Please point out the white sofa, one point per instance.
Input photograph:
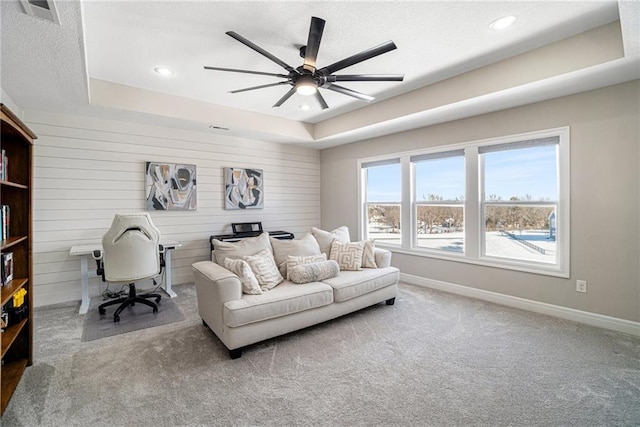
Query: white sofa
{"points": [[240, 319]]}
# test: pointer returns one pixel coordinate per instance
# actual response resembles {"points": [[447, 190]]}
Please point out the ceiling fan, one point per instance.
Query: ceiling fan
{"points": [[307, 79]]}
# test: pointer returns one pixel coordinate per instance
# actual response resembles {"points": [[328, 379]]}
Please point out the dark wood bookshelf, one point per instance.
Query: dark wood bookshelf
{"points": [[16, 139]]}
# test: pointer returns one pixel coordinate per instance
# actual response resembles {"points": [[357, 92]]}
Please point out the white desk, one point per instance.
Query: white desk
{"points": [[85, 252]]}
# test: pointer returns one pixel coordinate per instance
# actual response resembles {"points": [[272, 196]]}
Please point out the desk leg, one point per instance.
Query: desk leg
{"points": [[167, 274], [84, 281]]}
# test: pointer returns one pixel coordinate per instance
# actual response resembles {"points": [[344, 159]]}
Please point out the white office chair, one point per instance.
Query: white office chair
{"points": [[130, 252]]}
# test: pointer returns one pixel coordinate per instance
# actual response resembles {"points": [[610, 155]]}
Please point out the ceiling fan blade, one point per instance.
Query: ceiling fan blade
{"points": [[285, 97], [259, 87], [358, 57], [321, 100], [345, 91], [235, 70], [313, 43], [260, 50], [366, 78]]}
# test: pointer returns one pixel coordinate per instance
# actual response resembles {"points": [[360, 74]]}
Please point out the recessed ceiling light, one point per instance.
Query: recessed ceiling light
{"points": [[503, 22], [163, 71], [304, 107]]}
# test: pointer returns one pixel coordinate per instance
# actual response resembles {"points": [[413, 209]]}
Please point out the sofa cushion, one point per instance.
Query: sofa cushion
{"points": [[351, 284], [285, 299], [347, 255], [235, 250], [368, 255], [293, 261], [264, 267], [314, 272], [325, 238], [304, 246], [249, 281]]}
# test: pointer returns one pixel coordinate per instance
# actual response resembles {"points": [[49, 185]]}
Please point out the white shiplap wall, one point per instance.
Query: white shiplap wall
{"points": [[86, 170]]}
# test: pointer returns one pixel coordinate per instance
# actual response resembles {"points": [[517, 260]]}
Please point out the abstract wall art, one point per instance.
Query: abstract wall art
{"points": [[170, 186], [243, 188]]}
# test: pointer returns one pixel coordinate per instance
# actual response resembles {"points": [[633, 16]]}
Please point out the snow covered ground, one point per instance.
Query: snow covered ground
{"points": [[497, 244]]}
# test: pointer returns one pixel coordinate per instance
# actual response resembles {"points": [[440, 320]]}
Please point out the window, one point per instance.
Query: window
{"points": [[502, 202], [439, 200], [520, 200], [383, 195]]}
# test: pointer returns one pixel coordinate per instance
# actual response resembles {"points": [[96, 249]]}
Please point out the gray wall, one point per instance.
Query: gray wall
{"points": [[86, 170], [605, 195]]}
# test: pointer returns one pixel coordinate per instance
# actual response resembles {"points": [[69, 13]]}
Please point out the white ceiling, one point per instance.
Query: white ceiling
{"points": [[49, 67]]}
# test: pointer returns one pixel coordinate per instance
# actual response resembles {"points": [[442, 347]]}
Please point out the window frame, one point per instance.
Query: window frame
{"points": [[474, 204]]}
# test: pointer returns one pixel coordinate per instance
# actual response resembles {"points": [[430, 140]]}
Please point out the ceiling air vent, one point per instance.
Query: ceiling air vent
{"points": [[44, 9]]}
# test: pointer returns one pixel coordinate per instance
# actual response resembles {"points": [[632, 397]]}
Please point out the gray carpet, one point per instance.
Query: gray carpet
{"points": [[139, 316], [432, 359]]}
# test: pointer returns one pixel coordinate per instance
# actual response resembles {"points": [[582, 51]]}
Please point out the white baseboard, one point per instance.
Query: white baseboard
{"points": [[593, 319]]}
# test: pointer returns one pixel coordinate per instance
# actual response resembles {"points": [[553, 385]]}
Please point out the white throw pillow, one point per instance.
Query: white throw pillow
{"points": [[264, 267], [369, 255], [314, 272], [249, 281], [236, 250], [306, 245], [325, 238], [347, 255], [294, 261]]}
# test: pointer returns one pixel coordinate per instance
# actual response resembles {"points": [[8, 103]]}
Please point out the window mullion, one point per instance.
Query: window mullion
{"points": [[363, 217], [472, 208], [407, 204]]}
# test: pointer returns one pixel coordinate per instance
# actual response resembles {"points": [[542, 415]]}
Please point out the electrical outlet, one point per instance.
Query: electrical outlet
{"points": [[581, 286]]}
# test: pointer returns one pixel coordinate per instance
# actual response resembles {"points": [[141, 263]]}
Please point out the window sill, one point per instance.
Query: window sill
{"points": [[534, 268]]}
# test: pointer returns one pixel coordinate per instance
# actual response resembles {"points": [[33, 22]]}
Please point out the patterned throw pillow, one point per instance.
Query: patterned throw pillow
{"points": [[314, 272], [293, 261], [325, 238], [264, 267], [306, 245], [369, 255], [249, 281], [347, 255]]}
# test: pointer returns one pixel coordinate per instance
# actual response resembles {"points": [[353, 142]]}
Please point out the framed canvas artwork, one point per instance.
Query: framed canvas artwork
{"points": [[170, 186], [243, 188]]}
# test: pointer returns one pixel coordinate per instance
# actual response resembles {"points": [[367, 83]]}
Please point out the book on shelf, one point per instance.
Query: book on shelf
{"points": [[7, 267], [3, 166], [4, 219]]}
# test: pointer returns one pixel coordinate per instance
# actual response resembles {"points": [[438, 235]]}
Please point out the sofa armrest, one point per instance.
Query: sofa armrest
{"points": [[215, 285], [383, 257]]}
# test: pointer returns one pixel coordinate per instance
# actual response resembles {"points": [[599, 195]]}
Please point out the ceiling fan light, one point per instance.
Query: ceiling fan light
{"points": [[306, 86]]}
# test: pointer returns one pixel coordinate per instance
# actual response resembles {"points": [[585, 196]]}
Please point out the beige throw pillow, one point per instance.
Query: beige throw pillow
{"points": [[306, 245], [236, 250], [264, 267], [294, 261], [314, 272], [325, 238], [369, 255], [347, 255], [249, 281]]}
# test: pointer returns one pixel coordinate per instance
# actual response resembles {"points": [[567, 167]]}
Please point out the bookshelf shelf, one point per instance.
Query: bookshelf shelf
{"points": [[14, 184], [11, 241], [16, 249]]}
